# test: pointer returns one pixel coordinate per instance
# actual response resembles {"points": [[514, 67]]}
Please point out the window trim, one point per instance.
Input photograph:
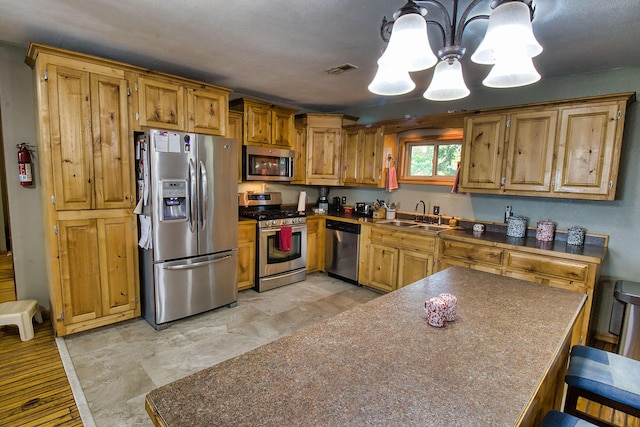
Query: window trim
{"points": [[427, 137]]}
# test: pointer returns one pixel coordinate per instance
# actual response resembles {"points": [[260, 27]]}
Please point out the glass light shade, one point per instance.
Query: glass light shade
{"points": [[509, 29], [512, 71], [447, 83], [390, 81], [409, 46]]}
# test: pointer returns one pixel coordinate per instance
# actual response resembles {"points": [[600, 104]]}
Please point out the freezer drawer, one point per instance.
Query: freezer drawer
{"points": [[187, 287]]}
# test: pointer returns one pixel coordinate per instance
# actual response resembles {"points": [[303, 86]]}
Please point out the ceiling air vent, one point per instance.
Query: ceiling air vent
{"points": [[340, 69]]}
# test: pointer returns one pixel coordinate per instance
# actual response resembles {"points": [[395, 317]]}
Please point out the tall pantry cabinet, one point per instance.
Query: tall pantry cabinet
{"points": [[86, 167]]}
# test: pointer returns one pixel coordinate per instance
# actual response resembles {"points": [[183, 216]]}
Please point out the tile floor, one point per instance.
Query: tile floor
{"points": [[117, 365]]}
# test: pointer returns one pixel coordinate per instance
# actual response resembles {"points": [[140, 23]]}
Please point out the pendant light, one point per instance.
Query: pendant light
{"points": [[391, 81], [509, 30], [448, 82], [509, 45], [409, 46]]}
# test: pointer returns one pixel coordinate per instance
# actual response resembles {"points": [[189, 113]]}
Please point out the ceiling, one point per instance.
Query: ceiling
{"points": [[279, 49]]}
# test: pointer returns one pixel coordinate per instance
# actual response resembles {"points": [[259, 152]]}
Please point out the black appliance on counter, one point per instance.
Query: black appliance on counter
{"points": [[335, 205], [363, 209]]}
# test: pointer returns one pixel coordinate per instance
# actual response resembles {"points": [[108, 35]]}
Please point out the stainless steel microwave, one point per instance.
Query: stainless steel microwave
{"points": [[267, 164]]}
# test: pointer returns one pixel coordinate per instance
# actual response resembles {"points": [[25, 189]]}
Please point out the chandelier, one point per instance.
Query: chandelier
{"points": [[509, 45]]}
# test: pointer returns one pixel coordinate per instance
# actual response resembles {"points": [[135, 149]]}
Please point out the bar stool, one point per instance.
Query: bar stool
{"points": [[20, 313], [560, 419], [602, 377]]}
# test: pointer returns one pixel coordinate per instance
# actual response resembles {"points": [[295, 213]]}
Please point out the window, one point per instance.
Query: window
{"points": [[429, 156]]}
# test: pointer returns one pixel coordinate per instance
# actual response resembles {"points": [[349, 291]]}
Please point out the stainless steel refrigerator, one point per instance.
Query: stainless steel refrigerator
{"points": [[187, 185]]}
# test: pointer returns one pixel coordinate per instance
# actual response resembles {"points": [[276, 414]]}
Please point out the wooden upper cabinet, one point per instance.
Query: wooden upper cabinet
{"points": [[589, 149], [370, 156], [300, 159], [483, 151], [234, 130], [362, 150], [531, 140], [568, 149], [350, 156], [90, 153], [207, 111], [111, 148], [181, 106], [282, 127], [69, 93], [161, 104], [265, 124], [258, 124], [324, 147]]}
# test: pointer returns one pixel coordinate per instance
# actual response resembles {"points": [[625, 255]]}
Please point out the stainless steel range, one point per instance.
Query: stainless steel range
{"points": [[281, 256]]}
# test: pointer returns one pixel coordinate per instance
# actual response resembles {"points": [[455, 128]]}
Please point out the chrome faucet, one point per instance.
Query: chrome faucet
{"points": [[424, 209]]}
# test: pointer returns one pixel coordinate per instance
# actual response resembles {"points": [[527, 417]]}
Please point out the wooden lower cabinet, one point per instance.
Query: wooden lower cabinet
{"points": [[315, 244], [413, 266], [98, 265], [548, 269], [391, 259], [246, 254], [476, 257], [382, 273]]}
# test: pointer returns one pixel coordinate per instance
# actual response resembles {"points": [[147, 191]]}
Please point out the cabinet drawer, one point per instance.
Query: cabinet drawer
{"points": [[484, 254], [403, 240], [560, 268], [246, 232]]}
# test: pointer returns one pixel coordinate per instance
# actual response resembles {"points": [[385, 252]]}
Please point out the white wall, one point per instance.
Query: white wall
{"points": [[19, 125]]}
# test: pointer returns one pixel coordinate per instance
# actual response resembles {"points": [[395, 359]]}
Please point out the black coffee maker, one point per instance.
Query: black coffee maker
{"points": [[323, 200], [335, 205]]}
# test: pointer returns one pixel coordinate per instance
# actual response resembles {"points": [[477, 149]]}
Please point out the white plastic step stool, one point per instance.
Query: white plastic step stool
{"points": [[20, 313]]}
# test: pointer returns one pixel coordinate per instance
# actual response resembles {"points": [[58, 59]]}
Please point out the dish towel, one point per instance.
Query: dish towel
{"points": [[392, 179], [284, 242], [456, 181]]}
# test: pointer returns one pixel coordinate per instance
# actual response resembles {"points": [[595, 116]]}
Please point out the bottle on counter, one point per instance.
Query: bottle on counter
{"points": [[507, 213]]}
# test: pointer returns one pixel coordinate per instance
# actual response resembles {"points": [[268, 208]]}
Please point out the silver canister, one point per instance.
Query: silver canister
{"points": [[517, 226], [575, 236]]}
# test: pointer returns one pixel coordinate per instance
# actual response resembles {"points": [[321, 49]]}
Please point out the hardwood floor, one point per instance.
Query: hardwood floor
{"points": [[34, 390]]}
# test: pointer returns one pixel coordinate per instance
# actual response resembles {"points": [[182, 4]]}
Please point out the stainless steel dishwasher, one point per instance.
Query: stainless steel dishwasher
{"points": [[341, 250]]}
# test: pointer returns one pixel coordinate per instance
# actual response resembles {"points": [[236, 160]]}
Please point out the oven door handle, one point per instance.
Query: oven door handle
{"points": [[196, 264], [275, 230]]}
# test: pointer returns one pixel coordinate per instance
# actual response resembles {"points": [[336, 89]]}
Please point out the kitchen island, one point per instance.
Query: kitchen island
{"points": [[500, 363]]}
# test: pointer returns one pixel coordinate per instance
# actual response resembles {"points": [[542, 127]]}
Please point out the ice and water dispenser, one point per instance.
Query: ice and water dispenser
{"points": [[174, 200]]}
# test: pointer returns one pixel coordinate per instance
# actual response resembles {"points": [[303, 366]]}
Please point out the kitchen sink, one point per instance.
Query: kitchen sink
{"points": [[400, 223], [431, 227], [416, 225]]}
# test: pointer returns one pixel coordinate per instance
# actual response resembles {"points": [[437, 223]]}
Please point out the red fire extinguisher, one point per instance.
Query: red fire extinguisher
{"points": [[24, 166]]}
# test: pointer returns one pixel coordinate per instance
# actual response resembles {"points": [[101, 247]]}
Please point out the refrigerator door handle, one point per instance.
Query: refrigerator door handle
{"points": [[192, 196], [196, 264], [204, 195]]}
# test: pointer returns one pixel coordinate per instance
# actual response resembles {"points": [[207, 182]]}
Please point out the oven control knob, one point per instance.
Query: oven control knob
{"points": [[267, 223]]}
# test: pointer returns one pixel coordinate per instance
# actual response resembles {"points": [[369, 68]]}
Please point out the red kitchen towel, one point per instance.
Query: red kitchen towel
{"points": [[392, 179], [284, 243]]}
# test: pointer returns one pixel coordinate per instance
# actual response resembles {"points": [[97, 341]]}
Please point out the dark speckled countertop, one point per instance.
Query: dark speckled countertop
{"points": [[382, 364]]}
